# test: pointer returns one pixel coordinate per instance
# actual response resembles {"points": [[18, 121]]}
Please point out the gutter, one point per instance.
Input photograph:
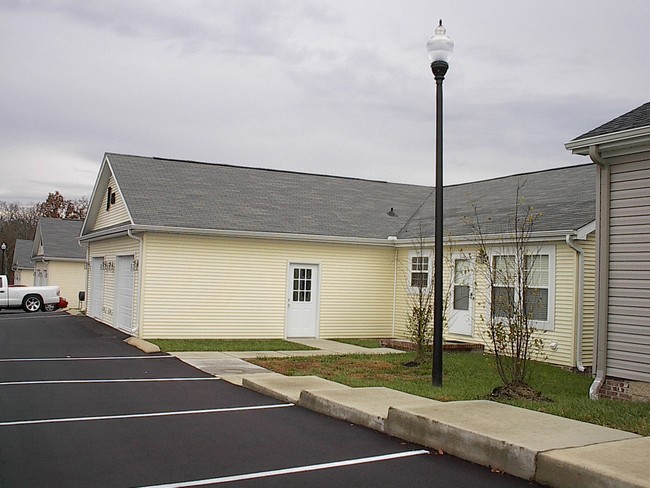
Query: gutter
{"points": [[602, 263], [612, 141], [126, 229], [580, 292], [140, 270]]}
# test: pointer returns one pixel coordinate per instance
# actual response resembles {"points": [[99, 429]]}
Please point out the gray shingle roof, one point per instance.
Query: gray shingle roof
{"points": [[60, 238], [23, 254], [185, 194], [634, 119], [171, 193], [563, 199]]}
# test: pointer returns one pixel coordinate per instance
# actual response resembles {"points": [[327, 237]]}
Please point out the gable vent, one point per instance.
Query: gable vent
{"points": [[110, 198]]}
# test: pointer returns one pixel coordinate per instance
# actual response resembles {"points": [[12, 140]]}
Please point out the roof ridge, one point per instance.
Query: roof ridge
{"points": [[273, 170], [518, 175], [349, 178]]}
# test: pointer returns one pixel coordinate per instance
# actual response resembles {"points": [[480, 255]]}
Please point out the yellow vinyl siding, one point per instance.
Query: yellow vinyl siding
{"points": [[219, 287], [565, 311], [70, 277], [117, 214], [24, 277], [108, 250]]}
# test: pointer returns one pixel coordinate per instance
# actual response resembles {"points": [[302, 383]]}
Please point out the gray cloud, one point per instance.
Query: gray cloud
{"points": [[332, 87]]}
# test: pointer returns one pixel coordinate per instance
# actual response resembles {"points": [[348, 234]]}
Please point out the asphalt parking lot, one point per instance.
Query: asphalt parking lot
{"points": [[79, 407]]}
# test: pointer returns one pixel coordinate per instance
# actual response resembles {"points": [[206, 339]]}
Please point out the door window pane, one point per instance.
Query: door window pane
{"points": [[461, 284], [461, 297], [301, 291]]}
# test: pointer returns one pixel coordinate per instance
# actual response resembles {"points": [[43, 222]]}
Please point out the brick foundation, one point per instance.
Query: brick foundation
{"points": [[621, 389]]}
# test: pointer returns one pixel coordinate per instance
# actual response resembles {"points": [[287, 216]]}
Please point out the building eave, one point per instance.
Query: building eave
{"points": [[501, 239], [103, 234], [615, 143]]}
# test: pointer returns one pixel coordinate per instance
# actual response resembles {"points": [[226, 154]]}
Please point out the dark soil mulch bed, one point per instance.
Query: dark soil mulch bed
{"points": [[517, 391]]}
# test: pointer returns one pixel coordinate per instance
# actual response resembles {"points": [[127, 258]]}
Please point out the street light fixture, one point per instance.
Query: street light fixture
{"points": [[440, 49]]}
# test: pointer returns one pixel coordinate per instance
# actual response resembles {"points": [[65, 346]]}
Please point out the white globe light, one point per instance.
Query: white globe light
{"points": [[440, 47]]}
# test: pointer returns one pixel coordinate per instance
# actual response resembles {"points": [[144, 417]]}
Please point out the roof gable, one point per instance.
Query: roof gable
{"points": [[57, 239], [23, 254], [107, 207]]}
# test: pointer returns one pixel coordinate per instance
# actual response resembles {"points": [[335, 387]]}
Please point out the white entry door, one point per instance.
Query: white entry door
{"points": [[96, 288], [302, 301], [461, 303], [124, 294]]}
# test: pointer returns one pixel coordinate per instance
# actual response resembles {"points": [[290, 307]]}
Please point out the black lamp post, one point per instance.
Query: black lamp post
{"points": [[4, 258], [440, 49]]}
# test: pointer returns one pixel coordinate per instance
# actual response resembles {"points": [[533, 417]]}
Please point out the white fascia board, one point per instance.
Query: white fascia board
{"points": [[50, 259], [123, 229], [101, 234], [535, 237], [91, 215], [584, 231], [612, 141]]}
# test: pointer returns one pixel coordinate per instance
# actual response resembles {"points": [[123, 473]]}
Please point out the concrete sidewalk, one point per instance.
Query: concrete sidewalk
{"points": [[234, 364], [550, 450]]}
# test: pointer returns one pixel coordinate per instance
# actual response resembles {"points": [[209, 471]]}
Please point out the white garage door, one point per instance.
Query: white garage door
{"points": [[124, 279]]}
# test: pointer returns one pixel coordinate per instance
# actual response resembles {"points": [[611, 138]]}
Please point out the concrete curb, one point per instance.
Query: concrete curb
{"points": [[493, 434], [143, 345], [362, 406], [552, 450], [286, 388]]}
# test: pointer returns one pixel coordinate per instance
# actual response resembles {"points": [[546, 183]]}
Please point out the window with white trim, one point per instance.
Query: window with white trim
{"points": [[536, 297], [420, 265], [539, 291]]}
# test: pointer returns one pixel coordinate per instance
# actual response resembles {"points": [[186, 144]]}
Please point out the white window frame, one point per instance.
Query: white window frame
{"points": [[549, 251], [420, 254]]}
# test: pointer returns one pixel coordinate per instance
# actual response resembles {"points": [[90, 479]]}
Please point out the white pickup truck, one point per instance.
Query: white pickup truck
{"points": [[29, 298]]}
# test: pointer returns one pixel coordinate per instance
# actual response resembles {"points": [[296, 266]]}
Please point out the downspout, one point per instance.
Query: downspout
{"points": [[580, 291], [393, 239], [602, 279], [140, 269], [87, 287]]}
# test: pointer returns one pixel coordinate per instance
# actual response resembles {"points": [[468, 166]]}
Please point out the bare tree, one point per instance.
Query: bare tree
{"points": [[16, 222], [513, 302], [419, 277], [419, 325]]}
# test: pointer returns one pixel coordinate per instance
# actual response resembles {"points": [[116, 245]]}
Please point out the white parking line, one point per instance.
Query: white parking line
{"points": [[144, 415], [297, 469], [120, 380], [93, 358]]}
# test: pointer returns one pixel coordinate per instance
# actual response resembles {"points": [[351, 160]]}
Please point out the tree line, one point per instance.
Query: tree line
{"points": [[19, 221]]}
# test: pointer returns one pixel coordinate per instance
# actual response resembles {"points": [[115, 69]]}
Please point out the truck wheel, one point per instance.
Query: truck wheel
{"points": [[32, 303]]}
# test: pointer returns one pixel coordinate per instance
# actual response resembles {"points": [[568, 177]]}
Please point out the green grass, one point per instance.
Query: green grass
{"points": [[471, 376], [178, 345], [369, 343]]}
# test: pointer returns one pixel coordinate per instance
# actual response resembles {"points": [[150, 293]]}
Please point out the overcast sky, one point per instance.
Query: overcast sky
{"points": [[331, 87]]}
